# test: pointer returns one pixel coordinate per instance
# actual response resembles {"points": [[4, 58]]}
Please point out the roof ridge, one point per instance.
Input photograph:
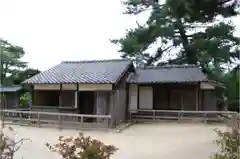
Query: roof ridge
{"points": [[96, 61], [169, 66]]}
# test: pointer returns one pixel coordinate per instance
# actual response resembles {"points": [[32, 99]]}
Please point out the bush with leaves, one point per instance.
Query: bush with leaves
{"points": [[82, 147], [229, 145], [8, 144]]}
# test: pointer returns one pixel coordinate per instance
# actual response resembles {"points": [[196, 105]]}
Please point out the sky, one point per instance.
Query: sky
{"points": [[52, 31]]}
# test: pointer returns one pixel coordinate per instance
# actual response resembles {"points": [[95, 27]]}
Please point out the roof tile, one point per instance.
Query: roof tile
{"points": [[167, 74], [95, 71]]}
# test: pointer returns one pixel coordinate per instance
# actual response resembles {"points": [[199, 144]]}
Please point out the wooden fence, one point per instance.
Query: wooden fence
{"points": [[52, 119], [205, 116]]}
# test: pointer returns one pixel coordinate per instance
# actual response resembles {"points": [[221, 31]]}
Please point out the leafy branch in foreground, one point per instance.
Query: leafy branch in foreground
{"points": [[229, 145], [8, 144], [82, 147]]}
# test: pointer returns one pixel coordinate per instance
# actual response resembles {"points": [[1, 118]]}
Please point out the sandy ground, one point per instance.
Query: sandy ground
{"points": [[141, 141]]}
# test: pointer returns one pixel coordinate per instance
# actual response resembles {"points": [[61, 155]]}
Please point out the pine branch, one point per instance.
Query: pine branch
{"points": [[158, 54]]}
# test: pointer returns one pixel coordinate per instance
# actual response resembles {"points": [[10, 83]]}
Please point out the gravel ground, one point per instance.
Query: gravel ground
{"points": [[140, 141]]}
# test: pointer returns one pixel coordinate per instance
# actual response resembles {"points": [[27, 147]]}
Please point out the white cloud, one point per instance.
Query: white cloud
{"points": [[56, 30]]}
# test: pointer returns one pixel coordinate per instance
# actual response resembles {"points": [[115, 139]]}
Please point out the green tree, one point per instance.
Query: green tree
{"points": [[11, 63], [232, 79], [21, 76], [12, 69], [183, 31]]}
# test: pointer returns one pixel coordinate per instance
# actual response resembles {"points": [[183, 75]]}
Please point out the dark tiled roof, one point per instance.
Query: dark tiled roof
{"points": [[10, 88], [97, 71], [167, 74]]}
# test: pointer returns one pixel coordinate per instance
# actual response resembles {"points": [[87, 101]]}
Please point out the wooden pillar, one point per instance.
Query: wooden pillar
{"points": [[30, 97], [137, 96], [76, 98], [203, 100], [182, 100], [112, 109], [197, 98], [101, 103], [60, 102], [17, 99], [169, 99]]}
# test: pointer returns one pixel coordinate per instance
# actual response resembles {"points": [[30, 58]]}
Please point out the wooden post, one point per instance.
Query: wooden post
{"points": [[30, 100], [137, 96], [154, 115], [76, 99], [20, 118], [107, 122], [182, 102], [179, 116], [30, 96], [205, 118], [197, 96], [60, 97], [59, 105], [81, 122], [182, 106], [38, 119], [112, 109], [59, 121]]}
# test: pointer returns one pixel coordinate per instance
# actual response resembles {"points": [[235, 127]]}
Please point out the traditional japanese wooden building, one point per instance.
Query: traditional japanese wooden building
{"points": [[112, 87]]}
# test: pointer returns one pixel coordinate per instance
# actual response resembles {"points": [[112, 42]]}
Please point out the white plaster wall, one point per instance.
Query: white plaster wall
{"points": [[133, 96], [145, 97], [206, 86]]}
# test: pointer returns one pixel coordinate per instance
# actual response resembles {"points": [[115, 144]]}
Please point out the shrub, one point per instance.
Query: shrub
{"points": [[229, 145], [8, 144], [82, 147]]}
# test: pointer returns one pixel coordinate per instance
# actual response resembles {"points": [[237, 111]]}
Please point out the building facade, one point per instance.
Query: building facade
{"points": [[112, 87]]}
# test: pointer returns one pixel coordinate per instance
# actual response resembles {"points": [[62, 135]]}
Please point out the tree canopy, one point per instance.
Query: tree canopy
{"points": [[183, 31], [12, 69], [232, 79]]}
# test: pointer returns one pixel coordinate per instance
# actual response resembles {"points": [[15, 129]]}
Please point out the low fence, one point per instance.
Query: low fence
{"points": [[225, 116], [60, 120]]}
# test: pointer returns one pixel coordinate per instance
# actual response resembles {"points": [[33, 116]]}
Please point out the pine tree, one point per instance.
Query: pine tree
{"points": [[183, 32], [11, 62]]}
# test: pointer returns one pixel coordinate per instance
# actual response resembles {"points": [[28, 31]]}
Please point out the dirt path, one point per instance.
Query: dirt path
{"points": [[155, 141]]}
